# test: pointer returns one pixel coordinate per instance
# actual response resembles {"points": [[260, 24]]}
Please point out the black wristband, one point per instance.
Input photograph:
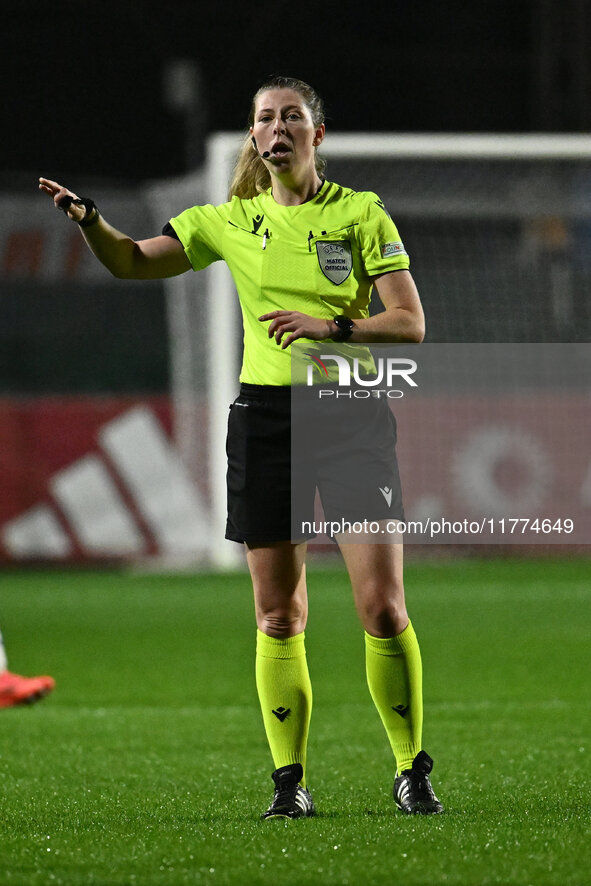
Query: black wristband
{"points": [[345, 326], [91, 214]]}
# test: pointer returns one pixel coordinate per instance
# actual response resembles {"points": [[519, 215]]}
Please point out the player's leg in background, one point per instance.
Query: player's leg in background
{"points": [[3, 659], [393, 658], [278, 574]]}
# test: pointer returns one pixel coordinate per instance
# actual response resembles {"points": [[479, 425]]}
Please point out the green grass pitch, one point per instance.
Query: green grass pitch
{"points": [[148, 765]]}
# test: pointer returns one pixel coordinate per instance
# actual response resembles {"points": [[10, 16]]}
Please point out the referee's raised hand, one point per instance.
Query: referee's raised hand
{"points": [[63, 199]]}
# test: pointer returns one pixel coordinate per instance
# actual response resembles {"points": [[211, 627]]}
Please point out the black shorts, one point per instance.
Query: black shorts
{"points": [[280, 452]]}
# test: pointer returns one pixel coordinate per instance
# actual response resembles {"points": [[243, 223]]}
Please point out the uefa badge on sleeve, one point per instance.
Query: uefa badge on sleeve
{"points": [[389, 250], [335, 259]]}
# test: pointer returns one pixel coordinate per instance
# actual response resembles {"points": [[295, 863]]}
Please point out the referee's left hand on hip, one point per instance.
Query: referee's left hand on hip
{"points": [[298, 326]]}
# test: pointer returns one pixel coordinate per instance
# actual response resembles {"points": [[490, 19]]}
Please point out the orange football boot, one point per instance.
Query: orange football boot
{"points": [[17, 690]]}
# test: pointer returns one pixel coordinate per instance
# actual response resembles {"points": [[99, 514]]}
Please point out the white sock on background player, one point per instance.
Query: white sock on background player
{"points": [[3, 661]]}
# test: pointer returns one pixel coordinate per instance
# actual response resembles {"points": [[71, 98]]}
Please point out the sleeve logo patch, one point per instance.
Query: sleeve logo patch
{"points": [[397, 248]]}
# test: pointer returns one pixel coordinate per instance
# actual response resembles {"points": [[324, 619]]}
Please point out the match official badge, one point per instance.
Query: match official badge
{"points": [[335, 259]]}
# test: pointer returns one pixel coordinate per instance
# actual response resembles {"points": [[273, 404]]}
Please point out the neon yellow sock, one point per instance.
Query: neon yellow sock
{"points": [[395, 680], [285, 694]]}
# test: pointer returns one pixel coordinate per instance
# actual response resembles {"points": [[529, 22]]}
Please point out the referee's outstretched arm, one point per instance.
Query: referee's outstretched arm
{"points": [[126, 258]]}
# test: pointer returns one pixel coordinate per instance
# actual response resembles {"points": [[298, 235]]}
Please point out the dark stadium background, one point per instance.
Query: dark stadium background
{"points": [[81, 83]]}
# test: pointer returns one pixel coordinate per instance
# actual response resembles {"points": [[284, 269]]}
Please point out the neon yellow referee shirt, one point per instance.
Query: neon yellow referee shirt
{"points": [[317, 258]]}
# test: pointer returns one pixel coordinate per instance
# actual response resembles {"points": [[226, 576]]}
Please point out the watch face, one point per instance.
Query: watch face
{"points": [[345, 326]]}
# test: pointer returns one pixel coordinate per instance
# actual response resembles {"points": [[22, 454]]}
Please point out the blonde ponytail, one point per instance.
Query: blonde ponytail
{"points": [[251, 176]]}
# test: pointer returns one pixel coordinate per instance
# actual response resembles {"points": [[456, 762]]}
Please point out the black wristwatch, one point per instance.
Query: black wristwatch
{"points": [[345, 325]]}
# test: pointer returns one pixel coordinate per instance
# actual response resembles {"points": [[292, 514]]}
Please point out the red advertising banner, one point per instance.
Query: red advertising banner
{"points": [[497, 469], [100, 478], [86, 478]]}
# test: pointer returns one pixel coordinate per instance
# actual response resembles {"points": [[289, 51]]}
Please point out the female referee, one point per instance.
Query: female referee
{"points": [[281, 212]]}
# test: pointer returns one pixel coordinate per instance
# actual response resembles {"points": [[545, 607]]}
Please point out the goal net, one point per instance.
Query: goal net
{"points": [[498, 229]]}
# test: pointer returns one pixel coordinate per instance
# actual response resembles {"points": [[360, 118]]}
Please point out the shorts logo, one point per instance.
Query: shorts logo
{"points": [[335, 259], [396, 248], [387, 493]]}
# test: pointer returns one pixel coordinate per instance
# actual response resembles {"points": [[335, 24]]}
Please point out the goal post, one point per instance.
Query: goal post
{"points": [[498, 228], [223, 337]]}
